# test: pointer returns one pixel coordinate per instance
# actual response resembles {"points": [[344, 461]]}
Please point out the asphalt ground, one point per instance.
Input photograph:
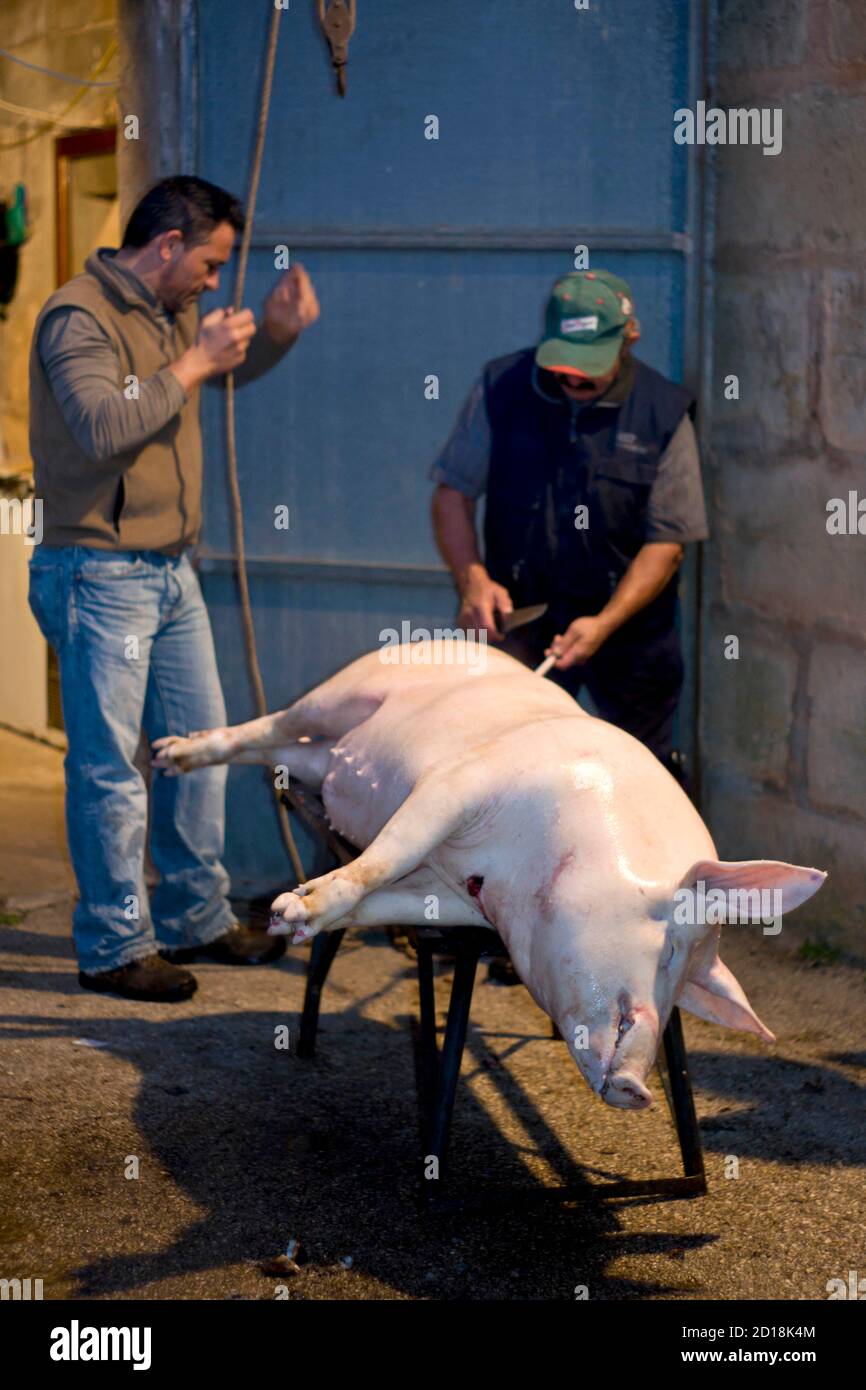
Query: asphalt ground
{"points": [[243, 1149]]}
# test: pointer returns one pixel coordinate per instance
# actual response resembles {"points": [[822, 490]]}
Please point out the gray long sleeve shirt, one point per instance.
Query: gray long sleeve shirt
{"points": [[83, 371]]}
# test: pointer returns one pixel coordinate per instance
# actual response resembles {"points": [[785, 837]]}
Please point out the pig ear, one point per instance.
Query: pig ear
{"points": [[796, 884], [714, 994]]}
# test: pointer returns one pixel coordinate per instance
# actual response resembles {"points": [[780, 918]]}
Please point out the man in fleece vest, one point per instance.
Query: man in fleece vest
{"points": [[589, 462], [118, 356]]}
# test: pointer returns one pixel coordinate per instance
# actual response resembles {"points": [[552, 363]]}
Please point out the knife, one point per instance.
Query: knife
{"points": [[520, 616]]}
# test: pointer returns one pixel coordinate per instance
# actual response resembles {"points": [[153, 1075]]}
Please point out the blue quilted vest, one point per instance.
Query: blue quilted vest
{"points": [[549, 458]]}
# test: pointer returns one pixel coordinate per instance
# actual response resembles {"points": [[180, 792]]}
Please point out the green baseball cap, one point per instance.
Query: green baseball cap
{"points": [[584, 324]]}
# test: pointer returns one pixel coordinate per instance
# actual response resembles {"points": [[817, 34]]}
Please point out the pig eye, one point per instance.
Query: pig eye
{"points": [[672, 950]]}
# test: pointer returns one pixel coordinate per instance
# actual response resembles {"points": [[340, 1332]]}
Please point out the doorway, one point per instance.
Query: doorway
{"points": [[87, 215]]}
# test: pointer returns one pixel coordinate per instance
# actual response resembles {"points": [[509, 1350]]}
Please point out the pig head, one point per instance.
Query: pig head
{"points": [[623, 957]]}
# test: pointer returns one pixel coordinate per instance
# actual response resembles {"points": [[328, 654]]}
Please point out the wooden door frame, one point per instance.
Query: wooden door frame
{"points": [[66, 148], [78, 145]]}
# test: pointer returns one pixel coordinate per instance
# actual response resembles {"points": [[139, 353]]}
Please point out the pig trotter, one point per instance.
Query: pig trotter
{"points": [[315, 906], [173, 755]]}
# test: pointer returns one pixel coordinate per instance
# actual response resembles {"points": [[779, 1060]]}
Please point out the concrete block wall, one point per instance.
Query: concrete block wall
{"points": [[783, 727]]}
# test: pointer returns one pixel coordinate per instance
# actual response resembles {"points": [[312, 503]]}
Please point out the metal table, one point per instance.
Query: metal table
{"points": [[438, 1071]]}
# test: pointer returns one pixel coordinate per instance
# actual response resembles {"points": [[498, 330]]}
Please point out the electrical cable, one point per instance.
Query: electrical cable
{"points": [[33, 114], [50, 72], [52, 121]]}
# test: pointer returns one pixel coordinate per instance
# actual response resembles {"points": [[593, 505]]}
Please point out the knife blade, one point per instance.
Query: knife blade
{"points": [[520, 616]]}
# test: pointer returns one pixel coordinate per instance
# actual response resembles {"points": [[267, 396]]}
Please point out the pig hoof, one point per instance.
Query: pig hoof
{"points": [[278, 926], [625, 1091], [289, 910]]}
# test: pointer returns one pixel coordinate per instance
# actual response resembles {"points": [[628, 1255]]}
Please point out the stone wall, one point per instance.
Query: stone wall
{"points": [[783, 728], [69, 36]]}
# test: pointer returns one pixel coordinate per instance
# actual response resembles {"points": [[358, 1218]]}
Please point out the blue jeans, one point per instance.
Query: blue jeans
{"points": [[135, 650]]}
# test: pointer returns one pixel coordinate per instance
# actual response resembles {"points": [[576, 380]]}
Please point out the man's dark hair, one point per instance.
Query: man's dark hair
{"points": [[185, 204]]}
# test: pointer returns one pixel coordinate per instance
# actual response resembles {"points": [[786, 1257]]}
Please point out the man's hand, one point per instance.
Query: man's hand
{"points": [[221, 345], [224, 338], [650, 571], [580, 641], [291, 306], [480, 601]]}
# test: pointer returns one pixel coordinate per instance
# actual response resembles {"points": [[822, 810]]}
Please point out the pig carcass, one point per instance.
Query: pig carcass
{"points": [[481, 792]]}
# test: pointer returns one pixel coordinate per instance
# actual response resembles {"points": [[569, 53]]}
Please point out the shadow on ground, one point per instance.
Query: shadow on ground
{"points": [[269, 1147]]}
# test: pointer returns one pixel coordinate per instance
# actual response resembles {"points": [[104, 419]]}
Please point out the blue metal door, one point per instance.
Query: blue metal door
{"points": [[429, 256]]}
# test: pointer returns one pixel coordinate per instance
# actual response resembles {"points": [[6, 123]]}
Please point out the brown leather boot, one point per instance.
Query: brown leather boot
{"points": [[238, 946], [151, 979], [501, 972]]}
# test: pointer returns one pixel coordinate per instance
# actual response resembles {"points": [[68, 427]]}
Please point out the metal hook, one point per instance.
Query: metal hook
{"points": [[338, 26]]}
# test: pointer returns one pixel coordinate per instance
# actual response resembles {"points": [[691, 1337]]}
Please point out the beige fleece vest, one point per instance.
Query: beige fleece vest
{"points": [[148, 498]]}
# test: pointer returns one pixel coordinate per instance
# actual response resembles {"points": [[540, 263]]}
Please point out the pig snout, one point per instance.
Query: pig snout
{"points": [[626, 1091], [633, 1058], [620, 1054]]}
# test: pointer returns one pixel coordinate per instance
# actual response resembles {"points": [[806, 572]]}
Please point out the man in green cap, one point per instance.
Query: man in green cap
{"points": [[589, 462]]}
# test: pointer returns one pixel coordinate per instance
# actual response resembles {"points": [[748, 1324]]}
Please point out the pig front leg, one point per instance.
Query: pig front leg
{"points": [[421, 899], [437, 808]]}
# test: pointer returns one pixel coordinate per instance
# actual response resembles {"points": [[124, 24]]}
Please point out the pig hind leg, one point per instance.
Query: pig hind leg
{"points": [[308, 761], [324, 714]]}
